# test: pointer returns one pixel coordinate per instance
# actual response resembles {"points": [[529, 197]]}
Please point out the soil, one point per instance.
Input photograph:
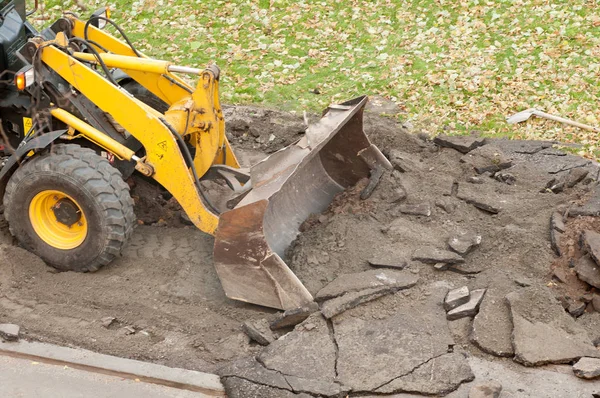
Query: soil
{"points": [[167, 302]]}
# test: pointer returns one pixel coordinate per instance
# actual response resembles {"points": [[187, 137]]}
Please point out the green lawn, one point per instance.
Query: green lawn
{"points": [[451, 65]]}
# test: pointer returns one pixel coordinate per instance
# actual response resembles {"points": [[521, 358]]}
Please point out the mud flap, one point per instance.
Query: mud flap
{"points": [[287, 187]]}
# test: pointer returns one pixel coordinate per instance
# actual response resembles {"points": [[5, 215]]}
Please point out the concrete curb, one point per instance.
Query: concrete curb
{"points": [[205, 383]]}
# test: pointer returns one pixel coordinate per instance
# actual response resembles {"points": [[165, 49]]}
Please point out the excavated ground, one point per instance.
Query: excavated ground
{"points": [[168, 306]]}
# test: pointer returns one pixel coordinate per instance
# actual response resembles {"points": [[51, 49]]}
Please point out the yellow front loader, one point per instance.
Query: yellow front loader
{"points": [[65, 198]]}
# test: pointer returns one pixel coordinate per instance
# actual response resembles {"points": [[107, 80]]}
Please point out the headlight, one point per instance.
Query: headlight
{"points": [[100, 23]]}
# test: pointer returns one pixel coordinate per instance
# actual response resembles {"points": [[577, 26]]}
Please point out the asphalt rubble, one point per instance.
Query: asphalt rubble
{"points": [[453, 257], [474, 260]]}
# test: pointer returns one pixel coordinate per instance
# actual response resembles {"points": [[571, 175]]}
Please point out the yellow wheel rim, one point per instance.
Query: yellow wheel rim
{"points": [[45, 222]]}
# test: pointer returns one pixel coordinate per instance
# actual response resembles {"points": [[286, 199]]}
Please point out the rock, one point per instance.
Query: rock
{"points": [[490, 389], [596, 302], [506, 178], [107, 321], [366, 280], [433, 255], [555, 238], [588, 271], [587, 368], [538, 317], [301, 353], [463, 243], [294, 316], [398, 195], [576, 309], [475, 180], [9, 332], [127, 330], [420, 209], [336, 306], [446, 204], [522, 281], [481, 203], [556, 222], [554, 186], [259, 331], [441, 266], [387, 261], [375, 352], [591, 241], [470, 308], [466, 269], [487, 158], [463, 143], [575, 176], [560, 274], [437, 377], [456, 297], [403, 162], [492, 327], [591, 207]]}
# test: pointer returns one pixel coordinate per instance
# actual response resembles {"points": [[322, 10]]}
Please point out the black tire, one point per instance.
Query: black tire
{"points": [[141, 93], [97, 188]]}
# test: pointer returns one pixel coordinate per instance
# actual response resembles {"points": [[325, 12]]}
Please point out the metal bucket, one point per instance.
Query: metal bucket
{"points": [[287, 187]]}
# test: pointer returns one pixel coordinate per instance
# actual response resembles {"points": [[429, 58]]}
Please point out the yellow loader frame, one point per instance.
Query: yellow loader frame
{"points": [[194, 114]]}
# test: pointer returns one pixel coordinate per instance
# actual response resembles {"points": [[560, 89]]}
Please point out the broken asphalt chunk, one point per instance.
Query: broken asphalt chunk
{"points": [[294, 316], [259, 331], [456, 297], [337, 305], [487, 158], [587, 368], [433, 255], [591, 241], [481, 203], [386, 261], [492, 327], [461, 143], [403, 161], [464, 243], [470, 308], [366, 280], [576, 309], [370, 356], [301, 353], [9, 332], [538, 317], [588, 271], [555, 237], [420, 209], [575, 176], [557, 223]]}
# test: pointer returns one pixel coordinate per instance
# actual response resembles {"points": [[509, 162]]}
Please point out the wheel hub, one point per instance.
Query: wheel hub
{"points": [[66, 212], [58, 219]]}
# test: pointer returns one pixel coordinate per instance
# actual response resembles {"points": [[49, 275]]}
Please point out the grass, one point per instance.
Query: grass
{"points": [[451, 65]]}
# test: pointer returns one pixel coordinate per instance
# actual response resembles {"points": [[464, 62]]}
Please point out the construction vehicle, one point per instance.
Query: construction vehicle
{"points": [[82, 110]]}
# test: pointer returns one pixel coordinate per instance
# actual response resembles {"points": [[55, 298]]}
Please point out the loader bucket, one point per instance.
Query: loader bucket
{"points": [[287, 187]]}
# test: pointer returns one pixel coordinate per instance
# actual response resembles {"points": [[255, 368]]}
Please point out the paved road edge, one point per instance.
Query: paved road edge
{"points": [[205, 383]]}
